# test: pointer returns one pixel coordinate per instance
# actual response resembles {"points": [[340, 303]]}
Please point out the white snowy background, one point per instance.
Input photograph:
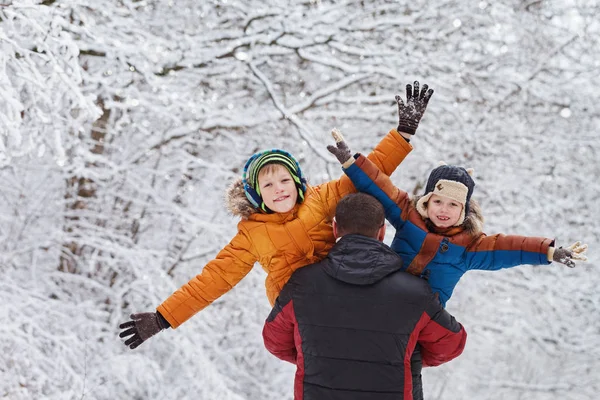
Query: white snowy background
{"points": [[122, 123]]}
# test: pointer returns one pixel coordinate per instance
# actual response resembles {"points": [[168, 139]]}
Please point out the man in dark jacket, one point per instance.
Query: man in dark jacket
{"points": [[351, 322]]}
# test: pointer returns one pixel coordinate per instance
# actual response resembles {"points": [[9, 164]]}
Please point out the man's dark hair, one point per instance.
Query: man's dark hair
{"points": [[359, 213]]}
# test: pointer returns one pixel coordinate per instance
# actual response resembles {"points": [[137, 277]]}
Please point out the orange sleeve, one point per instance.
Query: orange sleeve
{"points": [[218, 277], [390, 152]]}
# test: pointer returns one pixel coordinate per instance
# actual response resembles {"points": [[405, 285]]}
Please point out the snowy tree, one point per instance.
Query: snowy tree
{"points": [[123, 122]]}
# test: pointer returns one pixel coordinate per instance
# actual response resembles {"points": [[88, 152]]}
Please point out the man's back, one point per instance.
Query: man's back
{"points": [[356, 320]]}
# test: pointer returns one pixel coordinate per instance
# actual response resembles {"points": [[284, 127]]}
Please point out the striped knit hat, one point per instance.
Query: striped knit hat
{"points": [[259, 160], [452, 182]]}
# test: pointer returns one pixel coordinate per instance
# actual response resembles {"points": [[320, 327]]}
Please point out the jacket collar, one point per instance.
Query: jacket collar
{"points": [[450, 231], [360, 260], [274, 217]]}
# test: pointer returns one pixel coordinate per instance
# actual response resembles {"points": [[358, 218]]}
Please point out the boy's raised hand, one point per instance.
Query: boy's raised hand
{"points": [[566, 255], [341, 151], [410, 114]]}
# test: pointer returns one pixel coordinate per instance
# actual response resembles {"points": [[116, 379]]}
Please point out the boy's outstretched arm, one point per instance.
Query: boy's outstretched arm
{"points": [[230, 266], [506, 251], [217, 277], [500, 251], [567, 255]]}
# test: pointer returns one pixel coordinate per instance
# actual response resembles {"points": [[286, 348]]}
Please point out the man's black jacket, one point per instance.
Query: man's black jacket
{"points": [[351, 322]]}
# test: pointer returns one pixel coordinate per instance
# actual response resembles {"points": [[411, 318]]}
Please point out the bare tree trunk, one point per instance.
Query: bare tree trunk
{"points": [[77, 195]]}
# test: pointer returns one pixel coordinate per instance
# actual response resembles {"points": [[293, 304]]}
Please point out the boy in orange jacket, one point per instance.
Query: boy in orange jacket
{"points": [[286, 224]]}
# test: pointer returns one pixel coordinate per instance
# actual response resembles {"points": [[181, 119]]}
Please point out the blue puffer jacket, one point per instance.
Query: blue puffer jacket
{"points": [[443, 256]]}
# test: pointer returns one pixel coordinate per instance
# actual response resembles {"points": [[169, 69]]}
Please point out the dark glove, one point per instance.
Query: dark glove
{"points": [[341, 151], [576, 251], [410, 114], [142, 327]]}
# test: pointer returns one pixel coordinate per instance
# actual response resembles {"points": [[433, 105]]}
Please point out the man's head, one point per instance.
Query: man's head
{"points": [[359, 213], [273, 181], [447, 196]]}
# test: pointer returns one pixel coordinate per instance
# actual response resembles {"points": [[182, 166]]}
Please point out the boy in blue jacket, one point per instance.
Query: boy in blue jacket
{"points": [[439, 235]]}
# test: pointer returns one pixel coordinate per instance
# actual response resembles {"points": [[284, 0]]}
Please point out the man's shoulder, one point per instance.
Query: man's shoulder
{"points": [[308, 272], [299, 280], [409, 284]]}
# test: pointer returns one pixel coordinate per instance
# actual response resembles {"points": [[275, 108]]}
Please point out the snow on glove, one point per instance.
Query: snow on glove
{"points": [[410, 114], [341, 151], [142, 327], [566, 255]]}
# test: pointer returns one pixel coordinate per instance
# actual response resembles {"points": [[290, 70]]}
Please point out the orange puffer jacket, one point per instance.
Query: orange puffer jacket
{"points": [[280, 242]]}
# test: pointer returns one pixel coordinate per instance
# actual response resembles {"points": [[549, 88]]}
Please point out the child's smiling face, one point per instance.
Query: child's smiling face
{"points": [[277, 188], [442, 211]]}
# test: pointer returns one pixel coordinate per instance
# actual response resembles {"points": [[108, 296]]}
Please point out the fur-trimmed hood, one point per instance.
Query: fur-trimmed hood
{"points": [[473, 224], [236, 201]]}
